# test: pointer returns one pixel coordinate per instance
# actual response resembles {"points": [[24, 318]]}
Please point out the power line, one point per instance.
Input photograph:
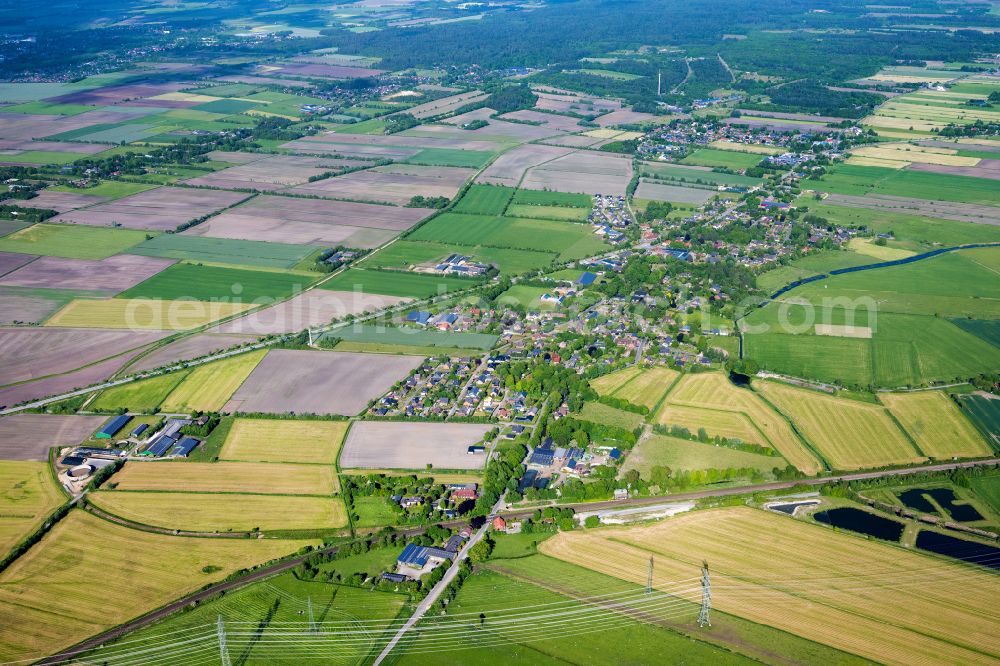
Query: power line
{"points": [[706, 596], [223, 650]]}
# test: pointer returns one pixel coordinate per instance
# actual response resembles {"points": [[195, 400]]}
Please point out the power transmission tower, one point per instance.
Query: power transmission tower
{"points": [[223, 650], [312, 620], [309, 329], [706, 597], [649, 577]]}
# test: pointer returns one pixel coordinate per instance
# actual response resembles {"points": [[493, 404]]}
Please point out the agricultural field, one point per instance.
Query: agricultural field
{"points": [[284, 441], [656, 191], [144, 395], [601, 413], [72, 242], [414, 337], [848, 434], [712, 157], [647, 388], [711, 401], [224, 251], [208, 283], [877, 181], [936, 424], [446, 157], [405, 254], [583, 172], [143, 314], [417, 446], [256, 478], [395, 184], [161, 209], [160, 568], [207, 387], [611, 382], [684, 454], [99, 277], [396, 283], [984, 412], [28, 494], [318, 382], [787, 572], [316, 307]]}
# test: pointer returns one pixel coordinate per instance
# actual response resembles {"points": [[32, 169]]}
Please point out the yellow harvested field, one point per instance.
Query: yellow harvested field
{"points": [[611, 382], [843, 331], [849, 434], [723, 144], [713, 390], [210, 386], [143, 314], [874, 161], [906, 78], [213, 512], [284, 441], [942, 156], [228, 477], [878, 601], [55, 595], [936, 424], [603, 133], [866, 247], [731, 425], [901, 123], [186, 97], [28, 494], [648, 387]]}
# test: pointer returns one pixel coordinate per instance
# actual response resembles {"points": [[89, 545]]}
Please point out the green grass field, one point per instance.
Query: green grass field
{"points": [[544, 198], [861, 180], [403, 254], [113, 189], [224, 250], [988, 488], [600, 413], [414, 337], [450, 157], [527, 297], [985, 414], [397, 283], [484, 200], [72, 241], [227, 106], [276, 610], [374, 512], [565, 213], [682, 454], [212, 282], [144, 395], [679, 173], [572, 241], [208, 386], [912, 232], [712, 157], [811, 264]]}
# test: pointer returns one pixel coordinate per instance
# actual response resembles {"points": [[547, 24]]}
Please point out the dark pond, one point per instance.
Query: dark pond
{"points": [[791, 507], [961, 549], [963, 513], [862, 522]]}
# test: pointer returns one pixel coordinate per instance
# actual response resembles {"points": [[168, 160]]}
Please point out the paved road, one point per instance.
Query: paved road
{"points": [[449, 576], [291, 563]]}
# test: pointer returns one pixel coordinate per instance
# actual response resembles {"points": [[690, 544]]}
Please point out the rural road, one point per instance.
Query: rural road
{"points": [[286, 565], [445, 581]]}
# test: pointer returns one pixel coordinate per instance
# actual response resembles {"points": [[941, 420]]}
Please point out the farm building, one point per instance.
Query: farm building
{"points": [[112, 427], [416, 560], [466, 493], [393, 577], [184, 447], [139, 429], [542, 456], [586, 279]]}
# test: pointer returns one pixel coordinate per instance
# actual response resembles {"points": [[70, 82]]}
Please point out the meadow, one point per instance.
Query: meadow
{"points": [[796, 576], [209, 386], [402, 254], [849, 434], [206, 283], [683, 454], [861, 180], [397, 283], [374, 511], [28, 494], [564, 213], [568, 239], [152, 569], [985, 413], [224, 512], [936, 424], [611, 382], [71, 241], [678, 173], [144, 395], [484, 200], [334, 606], [600, 413], [284, 441]]}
